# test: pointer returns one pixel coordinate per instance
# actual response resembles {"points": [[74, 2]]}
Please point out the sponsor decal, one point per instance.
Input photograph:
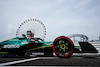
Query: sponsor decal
{"points": [[37, 53], [11, 46]]}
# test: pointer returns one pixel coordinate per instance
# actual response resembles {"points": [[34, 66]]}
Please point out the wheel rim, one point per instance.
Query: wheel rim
{"points": [[63, 46]]}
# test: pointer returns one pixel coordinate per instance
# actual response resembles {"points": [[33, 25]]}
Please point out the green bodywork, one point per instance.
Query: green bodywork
{"points": [[18, 42]]}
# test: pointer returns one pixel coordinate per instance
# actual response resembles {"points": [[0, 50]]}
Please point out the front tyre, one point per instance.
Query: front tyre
{"points": [[63, 46]]}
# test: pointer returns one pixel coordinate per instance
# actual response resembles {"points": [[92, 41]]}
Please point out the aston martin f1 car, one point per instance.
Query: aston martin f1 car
{"points": [[62, 47], [29, 41]]}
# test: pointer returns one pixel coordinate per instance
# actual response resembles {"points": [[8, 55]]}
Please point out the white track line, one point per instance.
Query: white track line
{"points": [[48, 57], [20, 61]]}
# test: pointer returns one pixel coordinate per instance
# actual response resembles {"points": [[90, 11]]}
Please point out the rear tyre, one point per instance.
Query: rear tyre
{"points": [[63, 46]]}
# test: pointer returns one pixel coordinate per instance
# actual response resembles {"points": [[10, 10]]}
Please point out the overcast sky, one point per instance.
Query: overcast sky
{"points": [[61, 17]]}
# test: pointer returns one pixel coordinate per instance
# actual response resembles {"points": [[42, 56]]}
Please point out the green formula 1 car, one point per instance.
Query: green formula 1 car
{"points": [[62, 47], [30, 41]]}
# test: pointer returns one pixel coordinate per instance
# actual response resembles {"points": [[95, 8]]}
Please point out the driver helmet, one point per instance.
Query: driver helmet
{"points": [[30, 35]]}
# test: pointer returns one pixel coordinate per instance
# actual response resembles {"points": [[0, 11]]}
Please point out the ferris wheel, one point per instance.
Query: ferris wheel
{"points": [[35, 26]]}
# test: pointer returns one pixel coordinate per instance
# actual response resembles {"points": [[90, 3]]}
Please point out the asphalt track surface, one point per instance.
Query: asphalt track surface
{"points": [[75, 60]]}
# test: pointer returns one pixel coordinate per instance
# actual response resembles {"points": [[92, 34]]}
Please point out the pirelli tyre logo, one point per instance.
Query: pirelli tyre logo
{"points": [[11, 46]]}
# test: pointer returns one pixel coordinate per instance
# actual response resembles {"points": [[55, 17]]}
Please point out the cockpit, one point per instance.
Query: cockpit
{"points": [[30, 35]]}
